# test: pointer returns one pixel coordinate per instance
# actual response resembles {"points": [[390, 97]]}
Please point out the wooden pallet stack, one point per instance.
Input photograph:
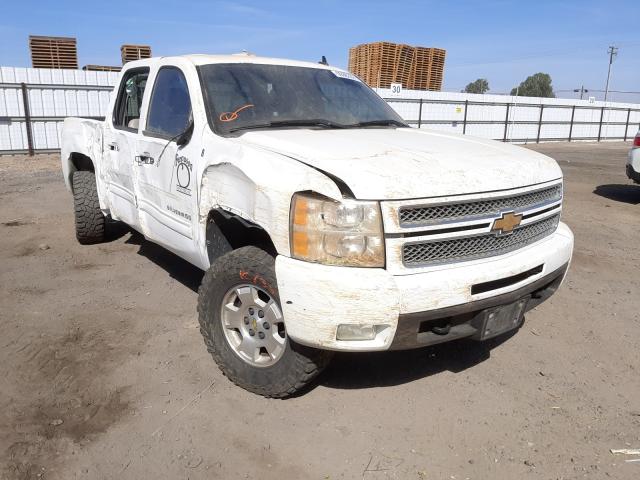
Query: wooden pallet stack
{"points": [[355, 60], [387, 64], [134, 52], [364, 60], [436, 71], [380, 64], [53, 52], [403, 64]]}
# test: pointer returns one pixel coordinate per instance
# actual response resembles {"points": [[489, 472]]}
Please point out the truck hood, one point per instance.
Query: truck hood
{"points": [[405, 163]]}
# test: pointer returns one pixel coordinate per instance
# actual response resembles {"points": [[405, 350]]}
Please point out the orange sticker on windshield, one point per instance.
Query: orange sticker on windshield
{"points": [[231, 116]]}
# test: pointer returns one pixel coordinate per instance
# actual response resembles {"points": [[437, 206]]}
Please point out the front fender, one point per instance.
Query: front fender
{"points": [[257, 186]]}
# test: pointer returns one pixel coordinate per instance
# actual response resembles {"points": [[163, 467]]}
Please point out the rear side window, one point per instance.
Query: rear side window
{"points": [[170, 106], [126, 114]]}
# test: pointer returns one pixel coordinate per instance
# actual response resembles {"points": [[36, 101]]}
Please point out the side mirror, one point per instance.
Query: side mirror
{"points": [[184, 137]]}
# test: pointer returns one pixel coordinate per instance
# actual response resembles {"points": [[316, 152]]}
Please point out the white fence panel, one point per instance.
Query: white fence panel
{"points": [[52, 96], [528, 119]]}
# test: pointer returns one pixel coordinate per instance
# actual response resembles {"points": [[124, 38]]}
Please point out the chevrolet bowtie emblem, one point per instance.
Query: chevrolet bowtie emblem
{"points": [[506, 223]]}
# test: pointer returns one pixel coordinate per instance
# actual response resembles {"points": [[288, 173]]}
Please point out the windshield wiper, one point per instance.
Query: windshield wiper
{"points": [[291, 123], [379, 123]]}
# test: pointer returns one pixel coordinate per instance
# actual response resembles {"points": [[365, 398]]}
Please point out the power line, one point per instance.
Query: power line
{"points": [[596, 90], [539, 54]]}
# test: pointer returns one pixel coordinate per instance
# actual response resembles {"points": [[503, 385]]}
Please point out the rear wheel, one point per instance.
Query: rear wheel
{"points": [[89, 220], [243, 327]]}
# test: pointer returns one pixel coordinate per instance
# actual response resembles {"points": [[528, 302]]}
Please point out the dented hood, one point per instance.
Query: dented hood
{"points": [[404, 163]]}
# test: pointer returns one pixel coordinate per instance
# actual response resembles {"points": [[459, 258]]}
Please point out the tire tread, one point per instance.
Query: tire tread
{"points": [[89, 220], [308, 363]]}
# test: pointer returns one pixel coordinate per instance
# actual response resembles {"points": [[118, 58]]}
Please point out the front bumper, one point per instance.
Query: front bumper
{"points": [[317, 298], [461, 321]]}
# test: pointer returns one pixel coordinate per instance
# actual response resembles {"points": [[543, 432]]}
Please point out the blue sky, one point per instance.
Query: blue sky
{"points": [[504, 41]]}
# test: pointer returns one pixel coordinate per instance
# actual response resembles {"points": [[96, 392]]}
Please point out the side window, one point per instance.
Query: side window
{"points": [[126, 114], [170, 106]]}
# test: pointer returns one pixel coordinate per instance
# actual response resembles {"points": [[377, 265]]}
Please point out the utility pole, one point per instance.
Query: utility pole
{"points": [[582, 91], [613, 51]]}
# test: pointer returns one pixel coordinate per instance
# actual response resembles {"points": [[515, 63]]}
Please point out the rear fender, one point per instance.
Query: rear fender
{"points": [[81, 140]]}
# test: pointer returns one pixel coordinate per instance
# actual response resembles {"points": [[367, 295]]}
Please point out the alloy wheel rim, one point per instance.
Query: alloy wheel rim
{"points": [[253, 325]]}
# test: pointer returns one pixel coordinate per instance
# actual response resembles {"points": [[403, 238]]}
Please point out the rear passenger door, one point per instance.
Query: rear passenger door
{"points": [[120, 135], [164, 171]]}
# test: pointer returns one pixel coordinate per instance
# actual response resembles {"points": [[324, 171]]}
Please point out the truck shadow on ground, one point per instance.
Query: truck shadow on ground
{"points": [[350, 370], [620, 193], [115, 230], [384, 369], [177, 268]]}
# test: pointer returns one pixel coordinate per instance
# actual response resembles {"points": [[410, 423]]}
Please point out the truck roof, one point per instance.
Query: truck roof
{"points": [[244, 57]]}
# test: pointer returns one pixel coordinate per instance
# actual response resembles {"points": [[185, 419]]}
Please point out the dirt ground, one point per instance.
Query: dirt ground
{"points": [[103, 373]]}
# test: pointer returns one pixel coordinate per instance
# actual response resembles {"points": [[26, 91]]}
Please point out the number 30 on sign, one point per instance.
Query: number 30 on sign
{"points": [[396, 88]]}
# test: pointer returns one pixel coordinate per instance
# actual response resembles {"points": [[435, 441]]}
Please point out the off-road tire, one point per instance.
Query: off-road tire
{"points": [[297, 366], [90, 222]]}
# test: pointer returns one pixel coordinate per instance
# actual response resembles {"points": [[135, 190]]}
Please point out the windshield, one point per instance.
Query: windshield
{"points": [[244, 96]]}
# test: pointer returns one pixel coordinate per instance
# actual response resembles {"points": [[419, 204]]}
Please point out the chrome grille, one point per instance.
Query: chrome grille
{"points": [[415, 216], [477, 246]]}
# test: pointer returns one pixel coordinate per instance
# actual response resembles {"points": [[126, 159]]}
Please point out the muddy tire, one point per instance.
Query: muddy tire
{"points": [[90, 222], [243, 328]]}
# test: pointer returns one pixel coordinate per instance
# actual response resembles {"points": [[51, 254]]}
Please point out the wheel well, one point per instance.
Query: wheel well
{"points": [[81, 162], [227, 231]]}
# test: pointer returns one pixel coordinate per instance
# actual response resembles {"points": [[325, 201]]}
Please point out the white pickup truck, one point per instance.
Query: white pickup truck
{"points": [[322, 220]]}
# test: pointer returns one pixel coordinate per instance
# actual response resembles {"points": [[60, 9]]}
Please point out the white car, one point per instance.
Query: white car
{"points": [[323, 221], [633, 162]]}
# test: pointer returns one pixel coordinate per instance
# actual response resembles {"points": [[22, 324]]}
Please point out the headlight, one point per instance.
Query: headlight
{"points": [[348, 232]]}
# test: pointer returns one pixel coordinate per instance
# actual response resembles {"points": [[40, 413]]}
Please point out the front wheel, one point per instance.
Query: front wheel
{"points": [[243, 327]]}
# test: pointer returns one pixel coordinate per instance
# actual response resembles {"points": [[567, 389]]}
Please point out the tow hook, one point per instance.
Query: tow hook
{"points": [[443, 330]]}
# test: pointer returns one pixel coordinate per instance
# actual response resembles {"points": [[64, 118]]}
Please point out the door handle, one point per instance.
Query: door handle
{"points": [[144, 159], [113, 146]]}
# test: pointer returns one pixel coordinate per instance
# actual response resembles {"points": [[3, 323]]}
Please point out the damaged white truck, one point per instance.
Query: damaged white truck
{"points": [[323, 221]]}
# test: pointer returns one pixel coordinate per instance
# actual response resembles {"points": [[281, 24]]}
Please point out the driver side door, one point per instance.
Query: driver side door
{"points": [[163, 170]]}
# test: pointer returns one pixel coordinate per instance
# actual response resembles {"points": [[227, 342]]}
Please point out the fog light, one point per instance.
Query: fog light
{"points": [[348, 331]]}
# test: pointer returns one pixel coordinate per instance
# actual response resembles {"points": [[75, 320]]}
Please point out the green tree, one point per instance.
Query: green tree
{"points": [[538, 85], [481, 85]]}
